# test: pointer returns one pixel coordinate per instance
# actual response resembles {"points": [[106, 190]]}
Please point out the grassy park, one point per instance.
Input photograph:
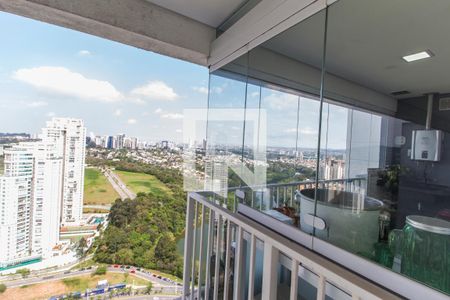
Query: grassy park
{"points": [[143, 183], [67, 285], [97, 189]]}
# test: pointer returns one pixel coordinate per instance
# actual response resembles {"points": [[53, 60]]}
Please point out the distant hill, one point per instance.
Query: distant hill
{"points": [[8, 134], [7, 137]]}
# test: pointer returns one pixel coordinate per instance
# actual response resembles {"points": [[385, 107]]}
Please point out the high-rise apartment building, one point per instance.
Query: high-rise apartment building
{"points": [[15, 206], [69, 137], [47, 195], [120, 138]]}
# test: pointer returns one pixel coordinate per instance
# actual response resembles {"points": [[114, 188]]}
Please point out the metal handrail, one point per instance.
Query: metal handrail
{"points": [[274, 246]]}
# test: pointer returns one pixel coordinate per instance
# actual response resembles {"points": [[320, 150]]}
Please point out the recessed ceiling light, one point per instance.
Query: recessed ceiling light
{"points": [[418, 56]]}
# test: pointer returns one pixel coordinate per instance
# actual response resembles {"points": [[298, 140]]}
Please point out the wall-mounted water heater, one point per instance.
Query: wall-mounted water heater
{"points": [[427, 144]]}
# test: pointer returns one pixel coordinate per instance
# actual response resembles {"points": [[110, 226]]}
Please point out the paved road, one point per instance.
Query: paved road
{"points": [[159, 285], [119, 185]]}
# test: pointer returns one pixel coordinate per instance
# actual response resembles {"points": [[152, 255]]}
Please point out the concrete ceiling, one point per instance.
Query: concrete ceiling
{"points": [[210, 12], [367, 39]]}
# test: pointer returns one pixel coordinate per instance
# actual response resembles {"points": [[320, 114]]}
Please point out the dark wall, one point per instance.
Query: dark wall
{"points": [[415, 110]]}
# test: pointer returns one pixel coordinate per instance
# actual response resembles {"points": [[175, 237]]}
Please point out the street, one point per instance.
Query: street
{"points": [[159, 285], [119, 185]]}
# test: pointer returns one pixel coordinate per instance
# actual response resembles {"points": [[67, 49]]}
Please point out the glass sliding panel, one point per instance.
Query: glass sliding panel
{"points": [[252, 138], [281, 109], [289, 94], [389, 200], [225, 131]]}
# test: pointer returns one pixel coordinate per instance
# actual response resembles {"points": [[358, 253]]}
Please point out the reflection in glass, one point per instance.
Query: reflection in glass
{"points": [[384, 137]]}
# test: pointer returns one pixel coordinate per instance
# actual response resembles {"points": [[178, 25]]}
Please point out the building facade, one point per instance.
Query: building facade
{"points": [[69, 135], [47, 197], [16, 206]]}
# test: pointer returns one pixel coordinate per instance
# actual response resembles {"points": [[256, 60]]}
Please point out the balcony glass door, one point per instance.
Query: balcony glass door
{"points": [[384, 131]]}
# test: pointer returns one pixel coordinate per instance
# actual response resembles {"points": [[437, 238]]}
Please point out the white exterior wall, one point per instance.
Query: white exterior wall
{"points": [[69, 137], [15, 206], [47, 196]]}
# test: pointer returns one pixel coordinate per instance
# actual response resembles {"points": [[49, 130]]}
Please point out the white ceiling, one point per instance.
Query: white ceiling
{"points": [[210, 12], [367, 39]]}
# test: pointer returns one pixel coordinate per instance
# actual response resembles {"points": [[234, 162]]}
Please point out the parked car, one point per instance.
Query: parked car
{"points": [[116, 266], [133, 271]]}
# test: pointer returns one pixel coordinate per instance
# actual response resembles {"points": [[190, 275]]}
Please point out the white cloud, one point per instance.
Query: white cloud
{"points": [[158, 110], [201, 90], [281, 101], [84, 53], [179, 130], [254, 94], [117, 112], [290, 130], [217, 89], [60, 80], [50, 114], [156, 90], [137, 101], [172, 116], [37, 104], [308, 131], [131, 121]]}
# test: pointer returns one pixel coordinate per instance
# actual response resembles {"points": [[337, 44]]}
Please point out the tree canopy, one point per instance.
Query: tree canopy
{"points": [[142, 232]]}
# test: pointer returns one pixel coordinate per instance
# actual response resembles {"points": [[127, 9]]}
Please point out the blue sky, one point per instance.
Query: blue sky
{"points": [[47, 71]]}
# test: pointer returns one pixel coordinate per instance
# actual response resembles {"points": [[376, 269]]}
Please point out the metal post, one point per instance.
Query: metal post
{"points": [[194, 246], [251, 276], [270, 274], [227, 260], [321, 288], [201, 254], [294, 279], [208, 254], [217, 262], [238, 261], [187, 268]]}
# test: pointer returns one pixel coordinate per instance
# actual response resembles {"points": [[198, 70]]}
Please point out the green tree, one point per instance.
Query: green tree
{"points": [[82, 244], [100, 271], [141, 232], [2, 288], [149, 287], [125, 256], [24, 272]]}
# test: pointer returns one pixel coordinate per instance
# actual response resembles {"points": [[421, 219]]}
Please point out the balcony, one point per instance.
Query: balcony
{"points": [[259, 248], [258, 262]]}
